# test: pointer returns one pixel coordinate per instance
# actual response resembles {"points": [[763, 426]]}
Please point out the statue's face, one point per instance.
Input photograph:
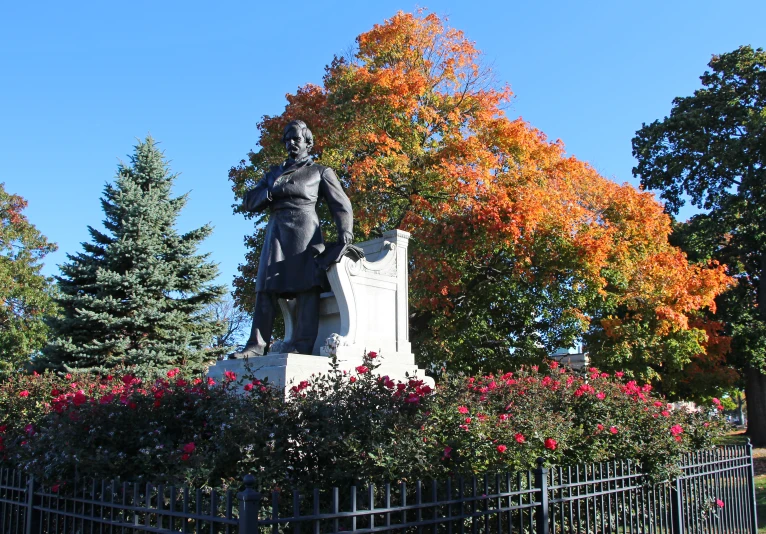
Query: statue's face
{"points": [[295, 143]]}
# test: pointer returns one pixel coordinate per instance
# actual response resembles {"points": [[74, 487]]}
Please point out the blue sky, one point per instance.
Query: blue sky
{"points": [[81, 81]]}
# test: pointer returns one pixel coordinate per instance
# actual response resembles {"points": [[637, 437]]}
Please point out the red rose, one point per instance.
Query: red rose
{"points": [[501, 449], [372, 355], [248, 387], [352, 379], [462, 409], [719, 502], [551, 444], [362, 369], [519, 437], [24, 393], [79, 399], [613, 430], [230, 376], [189, 447]]}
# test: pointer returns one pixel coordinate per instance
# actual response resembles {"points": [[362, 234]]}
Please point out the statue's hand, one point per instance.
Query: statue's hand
{"points": [[346, 238]]}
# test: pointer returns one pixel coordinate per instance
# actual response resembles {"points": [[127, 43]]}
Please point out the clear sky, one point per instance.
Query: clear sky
{"points": [[81, 81]]}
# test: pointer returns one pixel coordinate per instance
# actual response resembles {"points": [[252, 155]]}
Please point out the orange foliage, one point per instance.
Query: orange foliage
{"points": [[415, 127]]}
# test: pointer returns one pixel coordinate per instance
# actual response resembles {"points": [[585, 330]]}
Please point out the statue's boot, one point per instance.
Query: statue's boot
{"points": [[249, 351]]}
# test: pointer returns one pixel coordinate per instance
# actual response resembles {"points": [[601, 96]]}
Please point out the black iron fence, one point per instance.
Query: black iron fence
{"points": [[715, 493]]}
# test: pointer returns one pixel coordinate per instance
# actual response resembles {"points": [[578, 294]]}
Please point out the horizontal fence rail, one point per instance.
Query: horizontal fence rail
{"points": [[715, 494]]}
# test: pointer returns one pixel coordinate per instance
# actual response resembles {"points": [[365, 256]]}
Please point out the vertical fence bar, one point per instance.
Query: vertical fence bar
{"points": [[541, 484], [32, 522], [249, 504], [296, 512], [751, 489], [676, 507]]}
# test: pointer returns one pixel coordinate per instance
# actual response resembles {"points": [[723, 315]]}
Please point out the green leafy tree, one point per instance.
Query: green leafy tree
{"points": [[137, 293], [712, 151], [25, 294]]}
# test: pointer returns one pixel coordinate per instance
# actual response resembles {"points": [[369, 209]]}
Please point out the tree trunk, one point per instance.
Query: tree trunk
{"points": [[755, 392], [755, 380]]}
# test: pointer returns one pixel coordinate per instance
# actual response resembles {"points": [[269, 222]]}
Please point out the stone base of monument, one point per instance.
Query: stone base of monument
{"points": [[285, 370], [367, 310]]}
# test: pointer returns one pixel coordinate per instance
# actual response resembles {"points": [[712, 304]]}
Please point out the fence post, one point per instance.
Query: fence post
{"points": [[751, 492], [32, 523], [676, 507], [541, 484], [249, 506]]}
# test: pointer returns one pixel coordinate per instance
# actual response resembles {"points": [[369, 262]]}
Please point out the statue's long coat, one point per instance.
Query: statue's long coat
{"points": [[291, 192]]}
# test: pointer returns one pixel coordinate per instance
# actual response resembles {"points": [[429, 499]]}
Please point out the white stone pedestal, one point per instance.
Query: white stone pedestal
{"points": [[367, 310], [288, 369]]}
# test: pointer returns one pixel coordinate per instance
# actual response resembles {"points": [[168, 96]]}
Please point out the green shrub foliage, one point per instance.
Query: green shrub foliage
{"points": [[338, 428]]}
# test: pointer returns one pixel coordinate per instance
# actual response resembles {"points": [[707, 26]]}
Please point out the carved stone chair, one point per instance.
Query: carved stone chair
{"points": [[367, 309]]}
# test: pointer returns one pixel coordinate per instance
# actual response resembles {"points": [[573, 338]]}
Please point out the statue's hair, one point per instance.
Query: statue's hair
{"points": [[305, 132]]}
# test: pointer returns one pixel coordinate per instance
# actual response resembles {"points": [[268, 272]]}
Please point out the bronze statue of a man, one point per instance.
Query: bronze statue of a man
{"points": [[288, 266]]}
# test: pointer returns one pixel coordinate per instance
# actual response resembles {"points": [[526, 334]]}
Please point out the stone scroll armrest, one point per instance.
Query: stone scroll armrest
{"points": [[345, 278]]}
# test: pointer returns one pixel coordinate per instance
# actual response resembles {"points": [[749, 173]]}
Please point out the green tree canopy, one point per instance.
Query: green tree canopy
{"points": [[711, 150], [25, 294], [136, 294]]}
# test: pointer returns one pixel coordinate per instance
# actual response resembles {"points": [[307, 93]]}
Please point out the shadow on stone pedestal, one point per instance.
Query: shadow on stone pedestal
{"points": [[367, 310]]}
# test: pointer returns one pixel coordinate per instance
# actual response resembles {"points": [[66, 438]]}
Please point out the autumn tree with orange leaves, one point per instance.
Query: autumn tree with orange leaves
{"points": [[517, 248]]}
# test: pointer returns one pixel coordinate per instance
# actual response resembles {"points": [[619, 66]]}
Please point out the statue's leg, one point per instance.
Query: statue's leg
{"points": [[307, 321], [263, 323]]}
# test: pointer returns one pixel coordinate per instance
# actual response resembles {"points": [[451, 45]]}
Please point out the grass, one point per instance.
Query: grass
{"points": [[737, 437], [760, 499]]}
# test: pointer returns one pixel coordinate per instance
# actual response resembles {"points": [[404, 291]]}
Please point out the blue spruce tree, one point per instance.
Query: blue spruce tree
{"points": [[136, 294]]}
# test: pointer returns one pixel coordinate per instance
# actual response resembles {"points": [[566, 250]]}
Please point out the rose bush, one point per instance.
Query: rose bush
{"points": [[337, 428]]}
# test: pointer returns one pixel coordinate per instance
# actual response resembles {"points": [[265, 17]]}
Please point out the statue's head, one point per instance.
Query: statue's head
{"points": [[298, 139]]}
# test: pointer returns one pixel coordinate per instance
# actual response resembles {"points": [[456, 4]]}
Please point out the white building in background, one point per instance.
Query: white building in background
{"points": [[573, 357]]}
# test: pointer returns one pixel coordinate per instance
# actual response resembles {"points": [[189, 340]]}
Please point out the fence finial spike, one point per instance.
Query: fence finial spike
{"points": [[249, 481], [540, 461]]}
